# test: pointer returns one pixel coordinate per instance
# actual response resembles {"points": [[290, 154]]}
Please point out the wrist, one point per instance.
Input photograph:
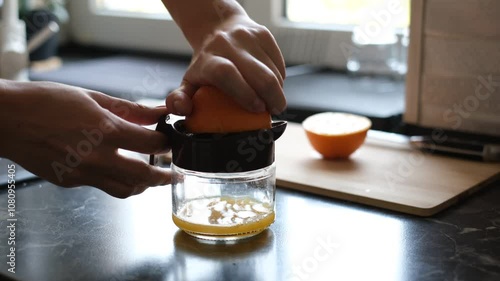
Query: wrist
{"points": [[8, 119], [4, 112], [224, 13]]}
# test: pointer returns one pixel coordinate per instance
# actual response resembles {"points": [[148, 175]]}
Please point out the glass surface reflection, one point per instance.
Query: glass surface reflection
{"points": [[248, 259], [338, 242]]}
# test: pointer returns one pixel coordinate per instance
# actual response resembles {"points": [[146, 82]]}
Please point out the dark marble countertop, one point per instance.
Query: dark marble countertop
{"points": [[84, 234]]}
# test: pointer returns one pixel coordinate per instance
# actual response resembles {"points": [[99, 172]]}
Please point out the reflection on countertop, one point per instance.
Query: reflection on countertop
{"points": [[84, 234]]}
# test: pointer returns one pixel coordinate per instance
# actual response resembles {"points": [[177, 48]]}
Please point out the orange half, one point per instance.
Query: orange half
{"points": [[336, 135], [215, 112]]}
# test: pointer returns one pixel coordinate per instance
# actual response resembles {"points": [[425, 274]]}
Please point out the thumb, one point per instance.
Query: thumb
{"points": [[179, 100], [130, 111]]}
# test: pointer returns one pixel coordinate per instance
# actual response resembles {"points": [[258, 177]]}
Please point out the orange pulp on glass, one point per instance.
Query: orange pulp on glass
{"points": [[215, 112], [336, 135], [224, 216]]}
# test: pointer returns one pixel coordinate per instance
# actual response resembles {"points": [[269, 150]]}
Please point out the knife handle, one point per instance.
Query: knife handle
{"points": [[485, 151]]}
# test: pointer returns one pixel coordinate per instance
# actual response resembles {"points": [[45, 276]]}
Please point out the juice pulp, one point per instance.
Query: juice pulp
{"points": [[224, 216]]}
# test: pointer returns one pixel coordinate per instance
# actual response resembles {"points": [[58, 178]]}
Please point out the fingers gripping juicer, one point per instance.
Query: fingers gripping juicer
{"points": [[223, 185]]}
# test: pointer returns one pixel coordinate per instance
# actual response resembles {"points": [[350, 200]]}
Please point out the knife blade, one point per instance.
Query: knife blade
{"points": [[488, 152]]}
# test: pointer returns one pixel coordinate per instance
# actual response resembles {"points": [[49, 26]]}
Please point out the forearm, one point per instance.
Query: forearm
{"points": [[198, 18], [7, 118]]}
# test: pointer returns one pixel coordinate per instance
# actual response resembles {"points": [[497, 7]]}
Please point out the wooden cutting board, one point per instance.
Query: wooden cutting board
{"points": [[379, 174]]}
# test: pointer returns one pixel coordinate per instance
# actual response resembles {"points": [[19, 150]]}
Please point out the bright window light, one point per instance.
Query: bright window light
{"points": [[295, 24], [132, 6], [347, 12]]}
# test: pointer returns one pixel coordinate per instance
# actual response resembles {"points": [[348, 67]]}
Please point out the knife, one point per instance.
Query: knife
{"points": [[489, 152]]}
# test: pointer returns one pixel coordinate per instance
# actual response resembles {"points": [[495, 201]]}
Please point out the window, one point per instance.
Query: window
{"points": [[341, 12], [308, 31], [127, 24], [318, 31], [132, 6]]}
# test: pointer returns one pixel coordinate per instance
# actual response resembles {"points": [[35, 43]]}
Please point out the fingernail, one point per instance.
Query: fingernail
{"points": [[258, 106]]}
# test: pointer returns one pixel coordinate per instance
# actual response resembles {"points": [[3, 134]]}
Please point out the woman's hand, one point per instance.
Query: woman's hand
{"points": [[235, 54], [70, 136]]}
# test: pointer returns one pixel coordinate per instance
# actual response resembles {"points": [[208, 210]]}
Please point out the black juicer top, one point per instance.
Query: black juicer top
{"points": [[221, 153]]}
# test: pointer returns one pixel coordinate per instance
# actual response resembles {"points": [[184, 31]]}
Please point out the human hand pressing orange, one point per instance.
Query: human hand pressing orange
{"points": [[234, 54]]}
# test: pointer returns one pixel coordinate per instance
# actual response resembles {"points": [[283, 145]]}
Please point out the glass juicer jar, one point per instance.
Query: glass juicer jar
{"points": [[223, 185]]}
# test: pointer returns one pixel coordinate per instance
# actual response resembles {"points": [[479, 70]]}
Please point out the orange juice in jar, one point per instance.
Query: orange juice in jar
{"points": [[223, 206]]}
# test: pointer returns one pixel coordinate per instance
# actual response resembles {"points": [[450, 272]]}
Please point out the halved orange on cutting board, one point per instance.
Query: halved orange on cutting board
{"points": [[336, 135], [216, 112]]}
